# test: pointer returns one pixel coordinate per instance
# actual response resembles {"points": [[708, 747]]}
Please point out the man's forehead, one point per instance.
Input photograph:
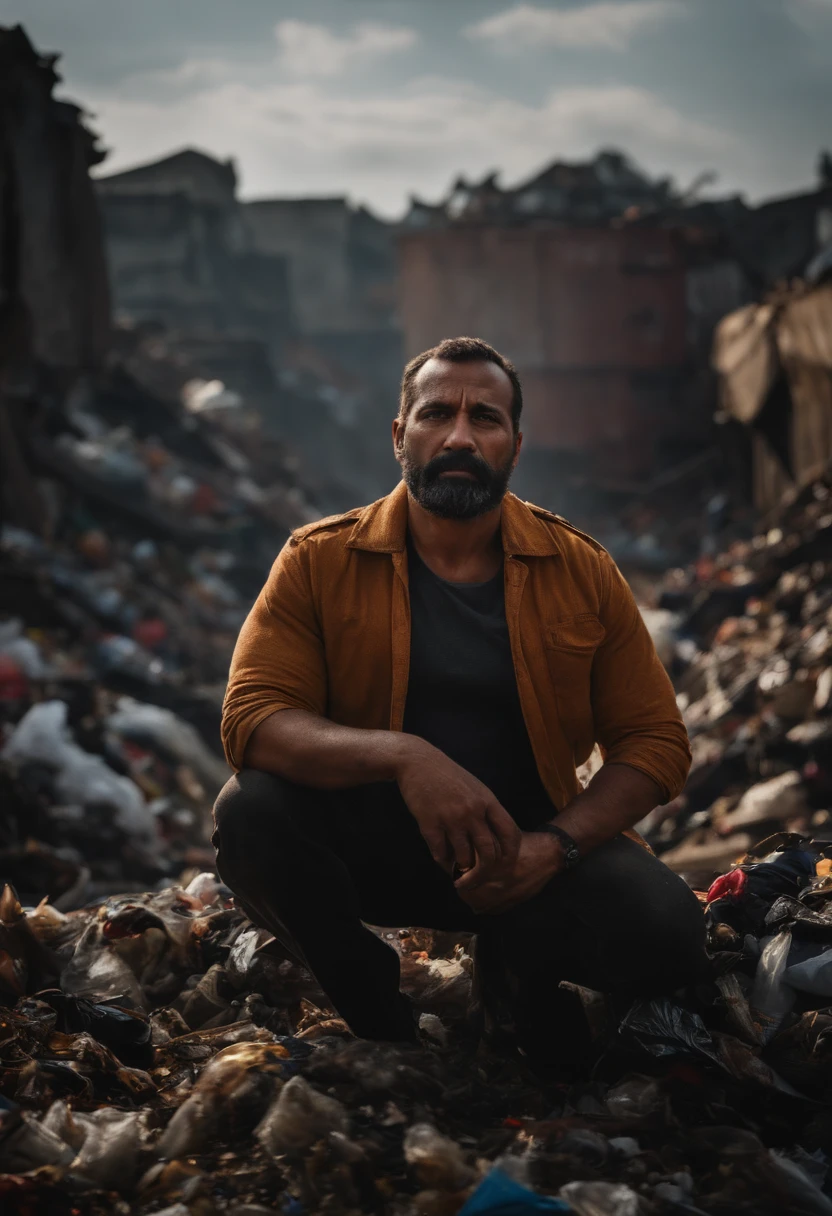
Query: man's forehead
{"points": [[481, 374]]}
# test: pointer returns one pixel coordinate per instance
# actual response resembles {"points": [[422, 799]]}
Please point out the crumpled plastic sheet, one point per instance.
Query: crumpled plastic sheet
{"points": [[664, 1029], [42, 736]]}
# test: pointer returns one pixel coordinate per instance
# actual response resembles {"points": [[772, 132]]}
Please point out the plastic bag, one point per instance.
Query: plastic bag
{"points": [[206, 1000], [96, 972], [244, 1076], [634, 1097], [42, 736], [208, 889], [61, 1120], [664, 1029], [300, 1117], [110, 1153], [31, 1146], [436, 1160], [780, 798], [22, 650], [738, 1012], [789, 913], [117, 653], [771, 998], [142, 722], [600, 1198], [125, 1032], [500, 1195], [241, 954], [88, 780], [804, 1192], [440, 983]]}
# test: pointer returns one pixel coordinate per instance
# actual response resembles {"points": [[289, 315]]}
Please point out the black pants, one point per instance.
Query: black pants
{"points": [[312, 867]]}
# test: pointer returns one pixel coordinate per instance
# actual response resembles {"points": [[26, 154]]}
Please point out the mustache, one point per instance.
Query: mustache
{"points": [[458, 462]]}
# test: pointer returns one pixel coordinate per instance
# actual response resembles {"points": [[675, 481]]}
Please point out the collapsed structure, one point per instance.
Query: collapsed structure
{"points": [[774, 360], [288, 301], [605, 286]]}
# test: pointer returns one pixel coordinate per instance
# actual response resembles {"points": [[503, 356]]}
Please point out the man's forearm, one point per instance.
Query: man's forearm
{"points": [[617, 798], [310, 750]]}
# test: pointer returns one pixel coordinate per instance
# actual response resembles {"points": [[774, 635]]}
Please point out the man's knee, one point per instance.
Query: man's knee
{"points": [[259, 818], [670, 935], [652, 921], [245, 799]]}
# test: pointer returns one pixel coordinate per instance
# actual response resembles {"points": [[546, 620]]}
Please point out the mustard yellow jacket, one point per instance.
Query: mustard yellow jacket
{"points": [[330, 633]]}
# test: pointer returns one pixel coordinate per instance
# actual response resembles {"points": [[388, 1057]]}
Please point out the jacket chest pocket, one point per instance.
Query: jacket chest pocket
{"points": [[570, 651]]}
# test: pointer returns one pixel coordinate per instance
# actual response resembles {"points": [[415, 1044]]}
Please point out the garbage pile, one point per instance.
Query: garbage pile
{"points": [[748, 637], [158, 1052], [140, 510], [117, 624]]}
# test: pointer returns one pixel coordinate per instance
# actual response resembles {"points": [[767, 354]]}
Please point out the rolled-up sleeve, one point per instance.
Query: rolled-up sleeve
{"points": [[637, 721], [278, 662]]}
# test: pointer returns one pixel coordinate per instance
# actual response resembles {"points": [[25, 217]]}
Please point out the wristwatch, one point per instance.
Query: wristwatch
{"points": [[571, 852]]}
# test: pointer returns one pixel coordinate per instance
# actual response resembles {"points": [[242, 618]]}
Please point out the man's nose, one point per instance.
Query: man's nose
{"points": [[461, 435]]}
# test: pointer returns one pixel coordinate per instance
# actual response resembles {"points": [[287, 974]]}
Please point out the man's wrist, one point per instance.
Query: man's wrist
{"points": [[568, 848], [549, 850], [406, 750]]}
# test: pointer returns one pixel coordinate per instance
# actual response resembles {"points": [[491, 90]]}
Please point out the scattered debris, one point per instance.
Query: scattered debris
{"points": [[158, 1052]]}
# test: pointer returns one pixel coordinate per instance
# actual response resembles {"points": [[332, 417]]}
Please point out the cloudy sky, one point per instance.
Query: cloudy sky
{"points": [[381, 98]]}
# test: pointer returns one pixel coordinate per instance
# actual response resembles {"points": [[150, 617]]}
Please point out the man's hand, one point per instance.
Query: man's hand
{"points": [[458, 816], [539, 858]]}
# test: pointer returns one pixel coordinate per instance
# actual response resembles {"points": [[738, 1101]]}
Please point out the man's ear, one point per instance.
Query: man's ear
{"points": [[398, 436], [518, 443]]}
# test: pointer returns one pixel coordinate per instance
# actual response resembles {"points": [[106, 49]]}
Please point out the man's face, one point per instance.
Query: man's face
{"points": [[457, 446]]}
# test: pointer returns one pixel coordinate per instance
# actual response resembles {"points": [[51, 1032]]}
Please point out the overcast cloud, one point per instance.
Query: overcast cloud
{"points": [[380, 98], [605, 25]]}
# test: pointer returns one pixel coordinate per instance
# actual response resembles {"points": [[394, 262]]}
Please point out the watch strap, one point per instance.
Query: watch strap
{"points": [[571, 852]]}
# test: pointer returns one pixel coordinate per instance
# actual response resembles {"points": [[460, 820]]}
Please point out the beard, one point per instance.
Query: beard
{"points": [[451, 497]]}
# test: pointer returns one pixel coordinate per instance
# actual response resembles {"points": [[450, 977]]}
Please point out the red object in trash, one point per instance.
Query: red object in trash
{"points": [[204, 501], [732, 883], [150, 633], [14, 686]]}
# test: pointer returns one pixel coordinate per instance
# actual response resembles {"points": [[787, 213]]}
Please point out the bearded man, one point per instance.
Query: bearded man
{"points": [[408, 702]]}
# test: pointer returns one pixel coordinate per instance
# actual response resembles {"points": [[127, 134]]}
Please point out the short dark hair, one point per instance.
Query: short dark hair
{"points": [[461, 350]]}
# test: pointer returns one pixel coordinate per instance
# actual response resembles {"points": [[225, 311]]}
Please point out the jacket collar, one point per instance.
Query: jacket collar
{"points": [[382, 527]]}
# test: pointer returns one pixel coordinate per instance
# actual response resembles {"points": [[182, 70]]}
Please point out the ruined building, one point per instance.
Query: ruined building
{"points": [[54, 301], [774, 362], [342, 274], [180, 253], [289, 302], [605, 286], [592, 306], [186, 252]]}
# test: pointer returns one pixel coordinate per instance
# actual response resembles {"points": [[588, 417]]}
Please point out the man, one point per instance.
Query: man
{"points": [[408, 702]]}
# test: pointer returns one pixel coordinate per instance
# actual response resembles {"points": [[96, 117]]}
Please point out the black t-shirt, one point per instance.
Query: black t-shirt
{"points": [[462, 691]]}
